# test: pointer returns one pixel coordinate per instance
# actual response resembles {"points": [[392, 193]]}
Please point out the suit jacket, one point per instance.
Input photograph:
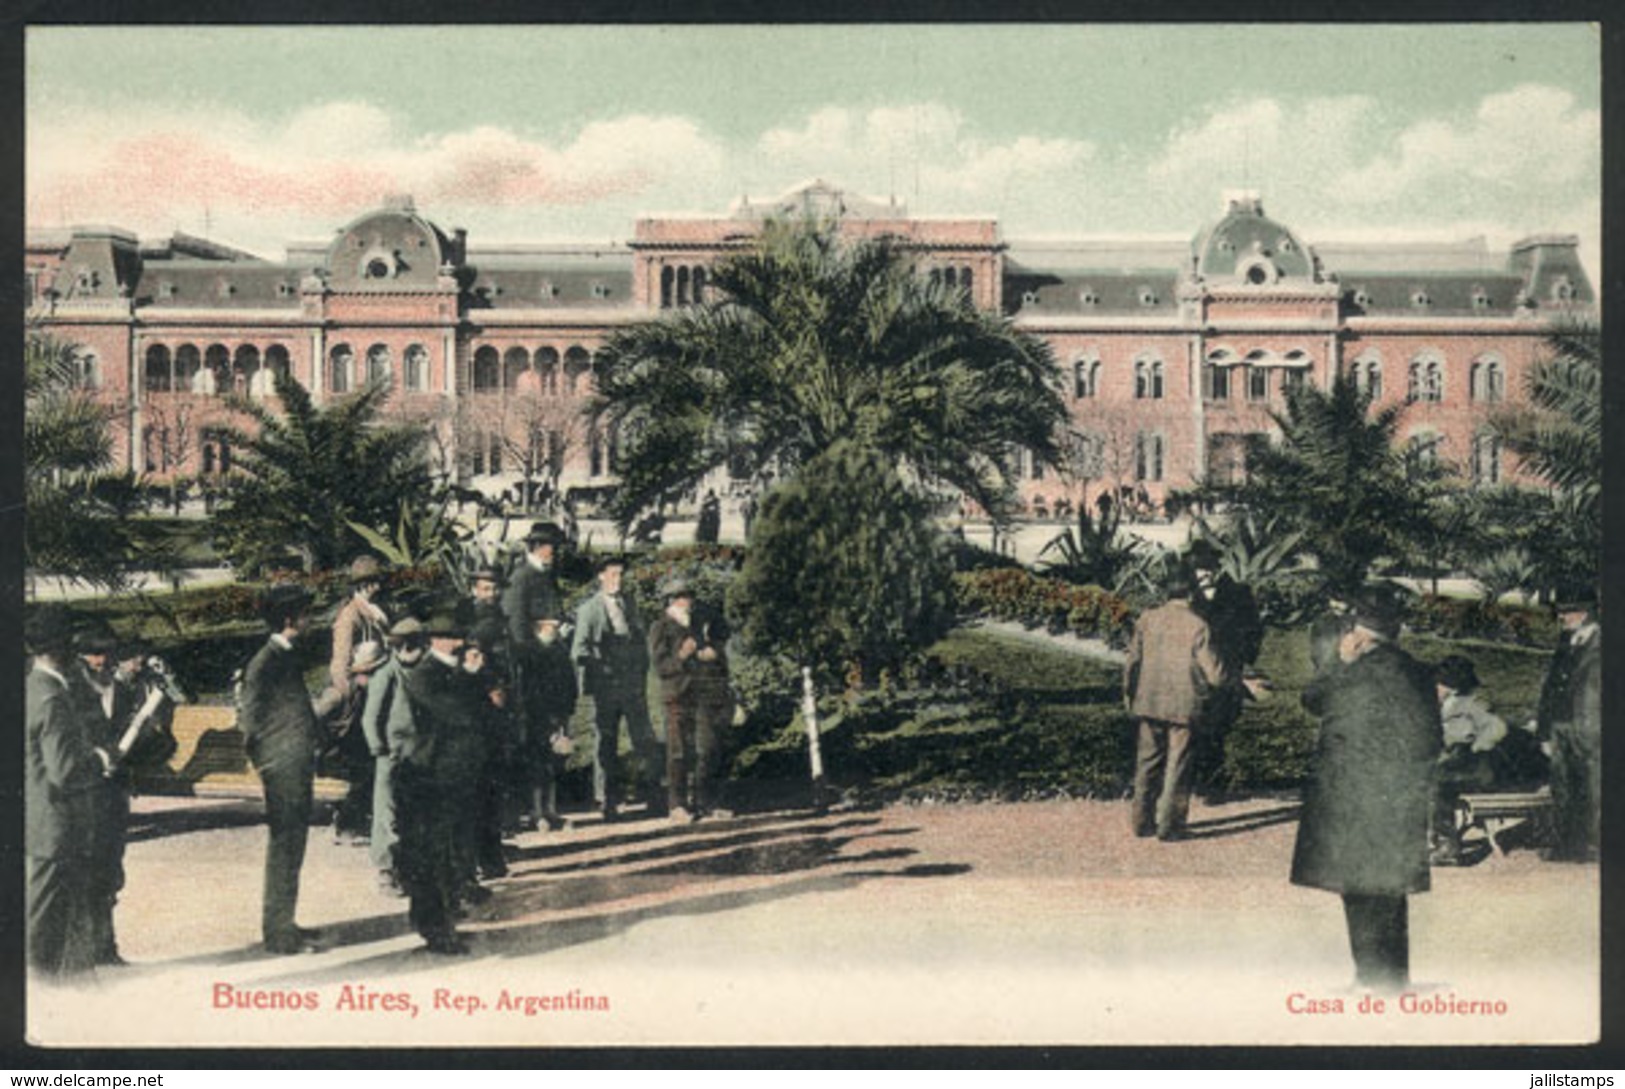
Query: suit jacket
{"points": [[61, 771], [610, 663], [354, 623], [1171, 665], [275, 714], [679, 676], [387, 712], [1367, 804], [1571, 696], [532, 593]]}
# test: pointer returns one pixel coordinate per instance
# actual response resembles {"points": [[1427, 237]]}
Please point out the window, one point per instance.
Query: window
{"points": [[1218, 383], [1486, 460], [476, 453], [1424, 449], [601, 290], [1426, 380], [417, 368], [576, 363], [1029, 298], [87, 370], [1086, 378], [1089, 297], [159, 378], [1487, 381], [668, 276], [514, 365], [496, 453], [1258, 383], [1148, 380], [487, 370], [1087, 454], [1148, 447], [341, 360], [263, 383], [595, 453], [245, 365], [217, 368], [380, 361], [1368, 377], [1293, 380], [187, 367], [1148, 297], [547, 370]]}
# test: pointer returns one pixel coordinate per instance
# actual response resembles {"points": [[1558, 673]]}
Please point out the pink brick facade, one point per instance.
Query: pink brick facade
{"points": [[1170, 356]]}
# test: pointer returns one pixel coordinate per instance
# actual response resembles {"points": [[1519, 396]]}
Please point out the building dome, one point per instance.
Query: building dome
{"points": [[1248, 248], [390, 248]]}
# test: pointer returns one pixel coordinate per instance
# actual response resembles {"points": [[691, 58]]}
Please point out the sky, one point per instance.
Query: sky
{"points": [[257, 136]]}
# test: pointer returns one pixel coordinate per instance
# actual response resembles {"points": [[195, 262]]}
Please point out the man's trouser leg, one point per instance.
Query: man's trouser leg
{"points": [[1150, 755], [606, 761], [384, 839], [58, 915], [679, 713], [420, 851], [713, 717], [105, 875], [288, 802], [1174, 803], [647, 750], [1379, 939]]}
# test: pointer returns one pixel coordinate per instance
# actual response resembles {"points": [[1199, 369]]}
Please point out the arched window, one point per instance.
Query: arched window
{"points": [[1156, 380], [187, 364], [245, 367], [159, 378], [417, 368], [700, 284], [547, 369], [1218, 382], [1426, 379], [667, 277], [340, 364], [682, 285], [380, 363], [1368, 377], [217, 362], [1087, 456], [263, 384], [1148, 448], [514, 364], [487, 370], [1142, 380], [1487, 381], [1423, 448], [1086, 378], [965, 282], [1258, 383], [576, 363]]}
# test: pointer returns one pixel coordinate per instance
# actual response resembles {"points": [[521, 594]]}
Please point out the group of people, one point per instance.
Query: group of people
{"points": [[1399, 742], [97, 707], [452, 725]]}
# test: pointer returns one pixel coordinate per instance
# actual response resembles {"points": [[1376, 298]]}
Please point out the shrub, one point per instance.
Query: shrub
{"points": [[1458, 618], [1015, 594]]}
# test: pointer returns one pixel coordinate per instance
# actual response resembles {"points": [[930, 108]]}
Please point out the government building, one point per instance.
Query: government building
{"points": [[1173, 353]]}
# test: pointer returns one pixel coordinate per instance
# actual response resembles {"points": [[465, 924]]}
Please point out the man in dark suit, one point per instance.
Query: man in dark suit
{"points": [[110, 707], [611, 649], [689, 649], [1569, 720], [1367, 806], [431, 756], [281, 735], [533, 589]]}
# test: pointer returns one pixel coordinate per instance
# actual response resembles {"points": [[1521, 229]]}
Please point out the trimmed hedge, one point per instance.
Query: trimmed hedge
{"points": [[1054, 605]]}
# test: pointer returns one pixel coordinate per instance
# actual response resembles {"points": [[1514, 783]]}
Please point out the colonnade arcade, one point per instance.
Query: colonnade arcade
{"points": [[214, 370], [544, 371]]}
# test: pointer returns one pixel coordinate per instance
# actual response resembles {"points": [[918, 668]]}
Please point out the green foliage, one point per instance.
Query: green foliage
{"points": [[77, 508], [1335, 479], [845, 566], [813, 340], [1017, 595], [308, 474], [1454, 618], [1095, 550], [1558, 436]]}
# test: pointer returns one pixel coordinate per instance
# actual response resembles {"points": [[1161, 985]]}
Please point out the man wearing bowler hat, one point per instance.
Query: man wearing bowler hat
{"points": [[62, 771], [1569, 720], [281, 735], [689, 649], [1366, 808], [611, 650], [533, 588]]}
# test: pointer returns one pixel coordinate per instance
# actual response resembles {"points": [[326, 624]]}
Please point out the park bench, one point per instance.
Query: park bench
{"points": [[1495, 812], [209, 759]]}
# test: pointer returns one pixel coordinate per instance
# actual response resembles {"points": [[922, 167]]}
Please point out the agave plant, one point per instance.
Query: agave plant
{"points": [[1094, 551]]}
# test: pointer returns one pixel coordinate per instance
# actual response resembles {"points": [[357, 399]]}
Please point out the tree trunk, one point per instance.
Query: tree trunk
{"points": [[809, 715]]}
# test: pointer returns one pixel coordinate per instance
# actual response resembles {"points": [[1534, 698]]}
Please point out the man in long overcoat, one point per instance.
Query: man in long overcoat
{"points": [[533, 588], [1171, 668], [281, 736], [382, 715], [611, 650], [62, 771], [359, 620], [1364, 828], [431, 762], [1570, 719]]}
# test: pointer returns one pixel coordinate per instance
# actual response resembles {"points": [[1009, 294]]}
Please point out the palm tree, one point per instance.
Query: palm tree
{"points": [[71, 529], [308, 473], [812, 340], [1558, 437], [1336, 479]]}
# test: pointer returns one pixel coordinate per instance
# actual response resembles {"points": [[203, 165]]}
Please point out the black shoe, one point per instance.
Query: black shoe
{"points": [[1172, 836], [290, 945], [449, 945], [492, 873], [610, 814], [555, 823], [111, 960], [308, 934], [476, 894]]}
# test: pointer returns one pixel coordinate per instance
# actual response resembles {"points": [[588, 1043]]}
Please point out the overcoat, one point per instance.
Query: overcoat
{"points": [[532, 593], [1171, 665], [611, 666], [61, 771], [445, 728], [1366, 807]]}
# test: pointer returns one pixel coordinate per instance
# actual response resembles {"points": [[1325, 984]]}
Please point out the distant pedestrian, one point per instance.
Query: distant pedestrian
{"points": [[1569, 721], [1171, 668], [1366, 808], [611, 650], [281, 736], [709, 526]]}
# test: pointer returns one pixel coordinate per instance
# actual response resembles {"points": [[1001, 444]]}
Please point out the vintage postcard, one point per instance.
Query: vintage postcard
{"points": [[546, 404]]}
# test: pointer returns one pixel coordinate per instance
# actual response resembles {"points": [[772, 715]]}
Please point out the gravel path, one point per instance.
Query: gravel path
{"points": [[1036, 923]]}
